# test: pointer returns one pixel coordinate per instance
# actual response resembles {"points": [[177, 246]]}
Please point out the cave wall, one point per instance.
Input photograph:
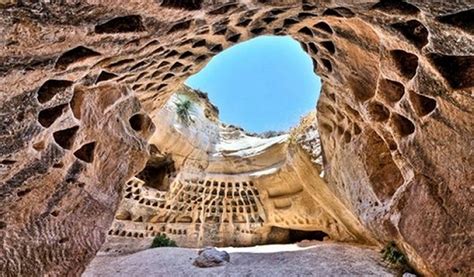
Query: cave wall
{"points": [[395, 114], [227, 187], [60, 184]]}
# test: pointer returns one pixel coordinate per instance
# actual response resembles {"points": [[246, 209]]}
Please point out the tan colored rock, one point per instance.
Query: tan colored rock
{"points": [[217, 185], [211, 257], [394, 120]]}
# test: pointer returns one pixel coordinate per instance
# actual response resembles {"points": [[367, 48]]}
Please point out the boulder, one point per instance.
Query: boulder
{"points": [[211, 257]]}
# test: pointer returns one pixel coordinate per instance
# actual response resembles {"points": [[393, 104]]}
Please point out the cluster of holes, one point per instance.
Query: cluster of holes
{"points": [[209, 199], [124, 233], [327, 45], [64, 138]]}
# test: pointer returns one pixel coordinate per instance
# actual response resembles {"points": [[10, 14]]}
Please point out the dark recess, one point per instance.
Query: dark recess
{"points": [[86, 152], [65, 138], [299, 235], [47, 117], [414, 31], [339, 12], [74, 55], [324, 27], [52, 87], [140, 122], [180, 26], [406, 63], [463, 20], [104, 76], [396, 7], [182, 4], [457, 70], [158, 173], [122, 24]]}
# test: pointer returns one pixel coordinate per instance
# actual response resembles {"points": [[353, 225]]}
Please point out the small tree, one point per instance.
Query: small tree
{"points": [[162, 241], [392, 255], [183, 107]]}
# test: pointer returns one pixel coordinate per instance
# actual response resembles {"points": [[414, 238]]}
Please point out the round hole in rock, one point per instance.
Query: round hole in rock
{"points": [[264, 84], [137, 122]]}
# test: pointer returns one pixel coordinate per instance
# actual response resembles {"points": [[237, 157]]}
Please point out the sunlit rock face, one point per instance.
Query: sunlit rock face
{"points": [[82, 86], [214, 184], [60, 183]]}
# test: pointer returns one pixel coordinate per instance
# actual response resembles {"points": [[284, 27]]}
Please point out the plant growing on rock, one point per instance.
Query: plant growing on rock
{"points": [[162, 241], [393, 256], [183, 107]]}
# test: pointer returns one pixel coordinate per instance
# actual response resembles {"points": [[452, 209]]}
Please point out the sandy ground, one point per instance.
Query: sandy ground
{"points": [[321, 259]]}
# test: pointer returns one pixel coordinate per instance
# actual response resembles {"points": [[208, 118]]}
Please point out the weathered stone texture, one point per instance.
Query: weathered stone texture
{"points": [[395, 116]]}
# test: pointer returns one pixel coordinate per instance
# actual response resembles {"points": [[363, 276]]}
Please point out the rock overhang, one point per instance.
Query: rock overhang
{"points": [[396, 83]]}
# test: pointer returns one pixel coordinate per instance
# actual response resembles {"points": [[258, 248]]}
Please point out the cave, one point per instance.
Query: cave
{"points": [[300, 235], [100, 149], [158, 173]]}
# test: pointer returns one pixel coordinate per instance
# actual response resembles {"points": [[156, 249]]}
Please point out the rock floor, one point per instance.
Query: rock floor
{"points": [[321, 259]]}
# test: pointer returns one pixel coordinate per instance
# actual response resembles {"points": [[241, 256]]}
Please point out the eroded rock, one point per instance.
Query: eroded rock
{"points": [[394, 119], [211, 257]]}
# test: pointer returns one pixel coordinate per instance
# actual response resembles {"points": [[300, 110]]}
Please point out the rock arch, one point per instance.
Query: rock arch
{"points": [[394, 116]]}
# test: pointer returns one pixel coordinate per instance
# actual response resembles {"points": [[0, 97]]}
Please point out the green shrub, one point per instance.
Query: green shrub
{"points": [[183, 106], [392, 255], [162, 241]]}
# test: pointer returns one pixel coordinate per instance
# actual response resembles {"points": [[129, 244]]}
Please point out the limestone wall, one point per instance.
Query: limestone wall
{"points": [[81, 84], [226, 188]]}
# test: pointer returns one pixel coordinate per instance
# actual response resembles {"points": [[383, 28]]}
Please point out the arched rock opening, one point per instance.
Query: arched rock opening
{"points": [[383, 85]]}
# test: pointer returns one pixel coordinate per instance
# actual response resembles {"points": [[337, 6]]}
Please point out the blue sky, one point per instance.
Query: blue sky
{"points": [[263, 84]]}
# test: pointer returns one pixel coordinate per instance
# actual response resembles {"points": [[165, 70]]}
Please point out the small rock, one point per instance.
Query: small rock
{"points": [[407, 274], [210, 257]]}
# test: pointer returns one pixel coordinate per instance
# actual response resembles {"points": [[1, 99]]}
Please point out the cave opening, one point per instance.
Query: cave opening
{"points": [[295, 236], [158, 173], [279, 235], [264, 85]]}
